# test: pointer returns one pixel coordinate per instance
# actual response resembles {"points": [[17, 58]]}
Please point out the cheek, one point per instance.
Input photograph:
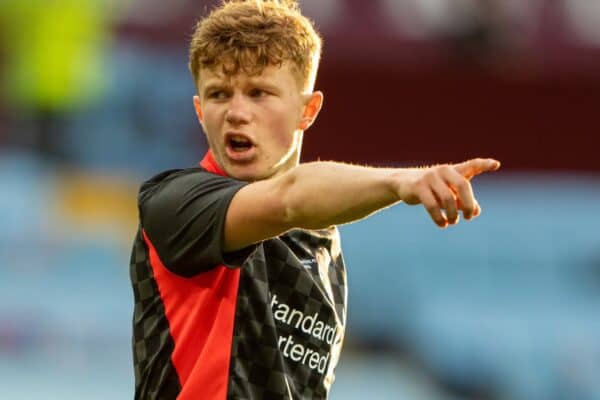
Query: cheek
{"points": [[284, 136], [283, 124], [211, 121]]}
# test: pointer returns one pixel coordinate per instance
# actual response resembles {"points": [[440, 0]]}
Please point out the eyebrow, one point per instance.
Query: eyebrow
{"points": [[214, 86], [264, 84], [253, 81]]}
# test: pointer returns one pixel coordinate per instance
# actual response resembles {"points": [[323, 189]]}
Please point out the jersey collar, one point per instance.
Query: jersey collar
{"points": [[210, 164]]}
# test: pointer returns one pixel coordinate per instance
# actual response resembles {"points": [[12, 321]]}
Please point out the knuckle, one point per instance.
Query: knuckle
{"points": [[420, 185], [429, 175], [447, 199], [445, 168], [463, 184]]}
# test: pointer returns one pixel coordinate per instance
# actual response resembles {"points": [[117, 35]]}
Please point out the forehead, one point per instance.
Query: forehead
{"points": [[284, 76]]}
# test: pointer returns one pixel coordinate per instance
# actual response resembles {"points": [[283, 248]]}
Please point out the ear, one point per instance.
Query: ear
{"points": [[313, 104], [198, 109]]}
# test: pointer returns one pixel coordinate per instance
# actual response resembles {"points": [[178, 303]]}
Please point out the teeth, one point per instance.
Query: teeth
{"points": [[239, 143], [239, 140]]}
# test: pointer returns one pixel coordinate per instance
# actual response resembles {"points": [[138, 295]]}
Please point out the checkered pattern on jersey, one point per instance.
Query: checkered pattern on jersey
{"points": [[155, 375], [310, 242], [299, 271]]}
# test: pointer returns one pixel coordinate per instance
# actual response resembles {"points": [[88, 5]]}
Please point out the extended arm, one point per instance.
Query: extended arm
{"points": [[320, 194]]}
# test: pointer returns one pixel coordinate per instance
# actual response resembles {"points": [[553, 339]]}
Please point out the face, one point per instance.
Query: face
{"points": [[254, 124]]}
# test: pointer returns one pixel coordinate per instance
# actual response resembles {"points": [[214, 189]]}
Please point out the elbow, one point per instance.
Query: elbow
{"points": [[298, 207], [289, 204], [293, 204]]}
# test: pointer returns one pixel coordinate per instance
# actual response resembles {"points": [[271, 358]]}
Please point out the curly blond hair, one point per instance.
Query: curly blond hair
{"points": [[249, 35]]}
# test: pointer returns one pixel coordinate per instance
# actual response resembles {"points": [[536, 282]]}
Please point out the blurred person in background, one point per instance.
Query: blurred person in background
{"points": [[55, 68], [237, 271]]}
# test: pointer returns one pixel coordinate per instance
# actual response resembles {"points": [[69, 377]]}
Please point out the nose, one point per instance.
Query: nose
{"points": [[238, 112]]}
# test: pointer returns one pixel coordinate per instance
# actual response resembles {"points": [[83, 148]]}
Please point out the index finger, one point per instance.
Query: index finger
{"points": [[477, 166]]}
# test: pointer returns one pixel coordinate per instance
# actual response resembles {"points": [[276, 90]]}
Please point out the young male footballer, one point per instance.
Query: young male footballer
{"points": [[238, 276]]}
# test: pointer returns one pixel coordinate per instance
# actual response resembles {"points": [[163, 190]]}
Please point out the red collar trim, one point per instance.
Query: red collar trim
{"points": [[210, 164]]}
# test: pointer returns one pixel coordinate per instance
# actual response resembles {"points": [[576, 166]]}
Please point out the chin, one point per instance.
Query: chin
{"points": [[245, 174], [254, 171]]}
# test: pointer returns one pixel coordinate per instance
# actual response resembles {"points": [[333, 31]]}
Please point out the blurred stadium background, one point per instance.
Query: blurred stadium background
{"points": [[96, 97]]}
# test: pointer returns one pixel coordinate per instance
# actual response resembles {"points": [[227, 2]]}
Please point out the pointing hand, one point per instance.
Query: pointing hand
{"points": [[445, 189]]}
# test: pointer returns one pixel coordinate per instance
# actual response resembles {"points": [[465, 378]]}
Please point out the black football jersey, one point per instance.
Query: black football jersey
{"points": [[265, 322]]}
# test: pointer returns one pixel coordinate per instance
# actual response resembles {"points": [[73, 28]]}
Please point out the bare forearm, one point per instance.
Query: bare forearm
{"points": [[318, 195], [322, 194]]}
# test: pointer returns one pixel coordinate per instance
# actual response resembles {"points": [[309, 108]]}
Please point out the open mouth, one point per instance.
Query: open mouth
{"points": [[239, 147], [239, 144]]}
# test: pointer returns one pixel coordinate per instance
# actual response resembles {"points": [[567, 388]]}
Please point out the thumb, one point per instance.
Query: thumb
{"points": [[476, 166]]}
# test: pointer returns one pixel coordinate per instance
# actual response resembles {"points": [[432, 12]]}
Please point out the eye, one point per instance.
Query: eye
{"points": [[217, 95], [256, 92]]}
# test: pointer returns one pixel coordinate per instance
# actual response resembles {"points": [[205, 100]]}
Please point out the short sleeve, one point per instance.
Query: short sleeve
{"points": [[183, 215]]}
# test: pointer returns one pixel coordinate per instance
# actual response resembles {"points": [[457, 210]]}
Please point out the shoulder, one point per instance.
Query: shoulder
{"points": [[177, 184], [172, 177], [183, 212]]}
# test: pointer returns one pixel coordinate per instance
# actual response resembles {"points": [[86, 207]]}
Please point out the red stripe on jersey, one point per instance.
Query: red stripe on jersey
{"points": [[210, 164], [201, 312]]}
